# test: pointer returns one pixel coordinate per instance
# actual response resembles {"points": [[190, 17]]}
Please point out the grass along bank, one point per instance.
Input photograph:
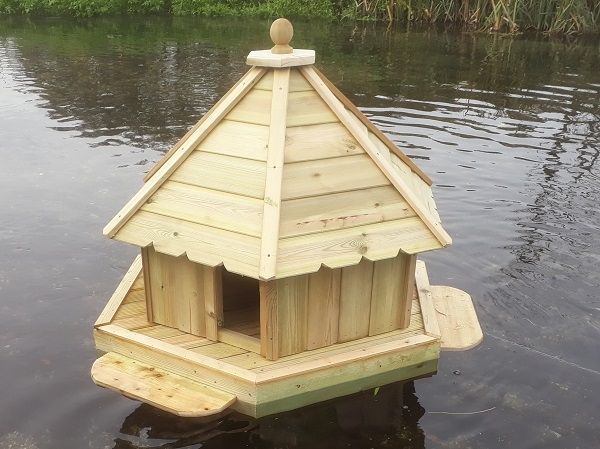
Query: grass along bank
{"points": [[555, 16]]}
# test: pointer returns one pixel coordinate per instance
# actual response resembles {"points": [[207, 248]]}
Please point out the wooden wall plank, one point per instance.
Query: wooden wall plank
{"points": [[307, 108], [323, 308], [321, 141], [342, 210], [225, 173], [237, 139], [355, 301], [208, 207], [254, 108], [213, 297], [177, 292], [312, 178], [292, 310], [391, 297], [269, 326]]}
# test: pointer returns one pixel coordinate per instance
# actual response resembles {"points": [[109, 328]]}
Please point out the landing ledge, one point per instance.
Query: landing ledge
{"points": [[164, 390]]}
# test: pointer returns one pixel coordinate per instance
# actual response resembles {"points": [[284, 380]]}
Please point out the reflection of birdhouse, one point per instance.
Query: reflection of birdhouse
{"points": [[278, 254]]}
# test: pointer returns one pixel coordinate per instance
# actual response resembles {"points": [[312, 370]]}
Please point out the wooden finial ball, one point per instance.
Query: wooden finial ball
{"points": [[281, 33]]}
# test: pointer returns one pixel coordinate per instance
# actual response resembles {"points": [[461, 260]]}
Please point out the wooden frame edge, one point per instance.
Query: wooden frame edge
{"points": [[159, 346], [120, 293], [430, 322], [344, 358]]}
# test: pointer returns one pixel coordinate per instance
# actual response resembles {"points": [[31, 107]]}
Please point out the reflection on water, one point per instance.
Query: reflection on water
{"points": [[509, 129], [388, 418]]}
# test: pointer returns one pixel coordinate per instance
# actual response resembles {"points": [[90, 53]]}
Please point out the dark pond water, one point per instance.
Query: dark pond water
{"points": [[508, 128]]}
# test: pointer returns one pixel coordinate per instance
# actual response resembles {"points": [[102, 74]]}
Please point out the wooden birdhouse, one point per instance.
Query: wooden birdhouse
{"points": [[278, 256]]}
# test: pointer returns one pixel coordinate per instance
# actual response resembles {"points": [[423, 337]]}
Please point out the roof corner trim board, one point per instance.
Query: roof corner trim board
{"points": [[385, 166], [274, 174], [206, 125]]}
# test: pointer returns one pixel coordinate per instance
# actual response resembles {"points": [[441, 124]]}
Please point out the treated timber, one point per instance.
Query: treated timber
{"points": [[213, 300], [237, 139], [307, 108], [229, 174], [239, 340], [203, 244], [326, 176], [173, 162], [320, 141], [297, 82], [269, 324], [208, 207], [272, 195], [162, 389], [385, 165], [323, 308], [355, 301], [120, 293], [292, 314], [430, 322], [371, 127], [217, 106], [457, 318], [342, 210]]}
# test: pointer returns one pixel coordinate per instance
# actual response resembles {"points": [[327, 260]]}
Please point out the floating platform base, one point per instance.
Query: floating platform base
{"points": [[192, 376]]}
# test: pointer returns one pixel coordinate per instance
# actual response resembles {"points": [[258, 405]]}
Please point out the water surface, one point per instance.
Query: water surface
{"points": [[508, 129]]}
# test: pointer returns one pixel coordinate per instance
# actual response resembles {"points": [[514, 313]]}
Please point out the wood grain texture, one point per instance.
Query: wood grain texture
{"points": [[343, 247], [120, 293], [172, 163], [216, 107], [390, 300], [371, 127], [202, 244], [297, 82], [237, 139], [457, 318], [292, 314], [212, 289], [320, 141], [162, 389], [323, 308], [385, 165], [342, 210], [272, 196], [430, 322], [307, 108], [269, 324], [254, 108], [208, 207], [228, 174], [355, 301], [320, 177]]}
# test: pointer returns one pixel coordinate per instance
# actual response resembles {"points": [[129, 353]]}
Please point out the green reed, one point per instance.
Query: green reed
{"points": [[505, 16]]}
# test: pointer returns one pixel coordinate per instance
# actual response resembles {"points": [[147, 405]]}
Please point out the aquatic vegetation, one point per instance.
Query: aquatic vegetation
{"points": [[509, 16]]}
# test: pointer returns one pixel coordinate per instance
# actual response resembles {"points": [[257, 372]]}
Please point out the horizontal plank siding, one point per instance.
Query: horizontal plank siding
{"points": [[342, 210], [313, 178], [224, 173], [321, 141], [307, 108], [238, 139]]}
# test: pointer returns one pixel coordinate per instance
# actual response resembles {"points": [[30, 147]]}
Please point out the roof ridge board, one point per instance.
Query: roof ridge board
{"points": [[371, 127], [274, 175], [384, 165], [221, 109]]}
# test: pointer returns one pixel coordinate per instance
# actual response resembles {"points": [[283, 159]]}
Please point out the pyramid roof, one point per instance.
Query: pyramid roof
{"points": [[282, 176]]}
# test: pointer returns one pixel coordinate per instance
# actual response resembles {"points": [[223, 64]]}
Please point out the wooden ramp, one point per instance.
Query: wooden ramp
{"points": [[162, 389], [459, 326]]}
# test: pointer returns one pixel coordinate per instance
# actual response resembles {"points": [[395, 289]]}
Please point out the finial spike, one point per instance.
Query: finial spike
{"points": [[281, 33]]}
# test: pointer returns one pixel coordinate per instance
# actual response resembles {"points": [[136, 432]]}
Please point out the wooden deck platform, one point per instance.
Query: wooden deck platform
{"points": [[263, 386]]}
